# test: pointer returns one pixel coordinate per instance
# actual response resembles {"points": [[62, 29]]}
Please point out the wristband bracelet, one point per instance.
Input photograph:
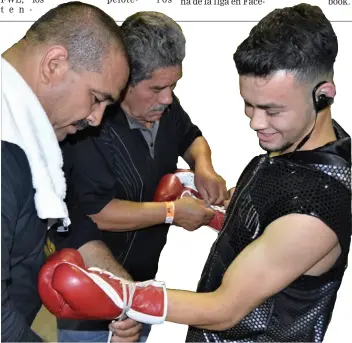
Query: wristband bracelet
{"points": [[170, 212]]}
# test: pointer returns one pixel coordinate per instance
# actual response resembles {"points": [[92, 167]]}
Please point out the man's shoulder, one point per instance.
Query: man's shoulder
{"points": [[280, 181], [9, 148], [14, 162], [16, 177], [308, 169]]}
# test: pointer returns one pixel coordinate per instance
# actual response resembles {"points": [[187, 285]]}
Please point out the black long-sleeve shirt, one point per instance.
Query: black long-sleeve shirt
{"points": [[22, 240]]}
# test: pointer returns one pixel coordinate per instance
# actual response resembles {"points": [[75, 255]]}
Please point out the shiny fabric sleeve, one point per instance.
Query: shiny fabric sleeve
{"points": [[319, 194]]}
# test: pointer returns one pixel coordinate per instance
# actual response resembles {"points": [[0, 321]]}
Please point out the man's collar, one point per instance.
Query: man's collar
{"points": [[134, 123]]}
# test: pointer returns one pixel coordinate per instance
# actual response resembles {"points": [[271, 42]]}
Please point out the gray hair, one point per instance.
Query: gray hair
{"points": [[85, 31], [153, 40]]}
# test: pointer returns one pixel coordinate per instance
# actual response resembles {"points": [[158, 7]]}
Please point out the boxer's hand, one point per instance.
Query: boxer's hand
{"points": [[69, 290], [230, 194], [211, 186], [191, 213], [127, 330]]}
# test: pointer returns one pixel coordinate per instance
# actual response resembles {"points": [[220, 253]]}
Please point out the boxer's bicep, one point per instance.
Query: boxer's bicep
{"points": [[289, 247]]}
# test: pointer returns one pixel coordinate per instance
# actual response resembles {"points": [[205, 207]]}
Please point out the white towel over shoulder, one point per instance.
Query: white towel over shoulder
{"points": [[25, 124]]}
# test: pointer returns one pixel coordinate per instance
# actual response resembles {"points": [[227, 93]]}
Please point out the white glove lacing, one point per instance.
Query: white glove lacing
{"points": [[128, 288], [187, 180], [214, 207]]}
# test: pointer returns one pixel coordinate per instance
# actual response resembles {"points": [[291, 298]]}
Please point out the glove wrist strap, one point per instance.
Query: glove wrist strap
{"points": [[170, 212]]}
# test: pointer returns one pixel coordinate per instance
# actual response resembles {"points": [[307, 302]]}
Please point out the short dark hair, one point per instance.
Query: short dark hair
{"points": [[88, 34], [298, 39], [153, 40]]}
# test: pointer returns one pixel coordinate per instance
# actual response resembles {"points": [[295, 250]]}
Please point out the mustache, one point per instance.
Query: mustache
{"points": [[81, 124], [159, 108]]}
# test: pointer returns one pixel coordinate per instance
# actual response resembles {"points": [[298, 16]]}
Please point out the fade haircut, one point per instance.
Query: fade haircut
{"points": [[298, 39], [85, 31], [153, 40]]}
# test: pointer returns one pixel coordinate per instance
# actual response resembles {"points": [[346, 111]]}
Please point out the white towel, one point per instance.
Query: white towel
{"points": [[25, 124]]}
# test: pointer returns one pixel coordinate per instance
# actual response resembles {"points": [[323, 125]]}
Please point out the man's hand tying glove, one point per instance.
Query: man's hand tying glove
{"points": [[210, 185], [125, 331], [181, 184], [70, 290]]}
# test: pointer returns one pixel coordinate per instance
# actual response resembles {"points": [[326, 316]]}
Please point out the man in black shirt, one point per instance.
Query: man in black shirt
{"points": [[113, 171], [56, 80]]}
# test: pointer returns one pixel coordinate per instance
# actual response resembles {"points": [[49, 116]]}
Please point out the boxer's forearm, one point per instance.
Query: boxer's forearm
{"points": [[203, 310], [97, 254], [198, 154]]}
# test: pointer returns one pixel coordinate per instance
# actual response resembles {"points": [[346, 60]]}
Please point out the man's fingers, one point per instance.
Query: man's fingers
{"points": [[210, 214], [124, 324], [127, 328], [230, 192], [118, 339], [226, 204], [131, 332], [223, 194], [217, 192], [221, 198], [213, 191], [212, 199], [204, 194], [127, 333], [209, 211]]}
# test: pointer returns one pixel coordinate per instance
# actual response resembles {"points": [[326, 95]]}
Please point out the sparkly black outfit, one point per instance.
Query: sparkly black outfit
{"points": [[316, 183]]}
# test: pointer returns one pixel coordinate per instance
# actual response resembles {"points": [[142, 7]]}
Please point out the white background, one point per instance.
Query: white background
{"points": [[209, 92]]}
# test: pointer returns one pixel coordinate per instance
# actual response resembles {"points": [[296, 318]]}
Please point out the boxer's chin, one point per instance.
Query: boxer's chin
{"points": [[283, 147]]}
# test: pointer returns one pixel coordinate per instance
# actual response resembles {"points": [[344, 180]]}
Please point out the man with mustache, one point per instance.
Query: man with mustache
{"points": [[113, 171], [56, 80]]}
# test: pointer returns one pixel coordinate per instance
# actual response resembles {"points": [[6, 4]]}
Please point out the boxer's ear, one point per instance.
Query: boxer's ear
{"points": [[323, 95]]}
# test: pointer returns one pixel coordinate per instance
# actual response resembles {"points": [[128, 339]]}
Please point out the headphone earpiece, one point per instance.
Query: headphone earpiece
{"points": [[323, 100], [320, 103]]}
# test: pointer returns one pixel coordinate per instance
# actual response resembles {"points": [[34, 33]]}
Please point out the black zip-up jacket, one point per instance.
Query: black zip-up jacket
{"points": [[22, 240]]}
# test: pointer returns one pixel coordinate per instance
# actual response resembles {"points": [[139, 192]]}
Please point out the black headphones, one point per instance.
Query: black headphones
{"points": [[323, 100]]}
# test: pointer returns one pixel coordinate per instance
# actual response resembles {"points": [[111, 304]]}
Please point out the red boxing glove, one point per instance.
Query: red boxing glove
{"points": [[69, 290], [175, 186]]}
